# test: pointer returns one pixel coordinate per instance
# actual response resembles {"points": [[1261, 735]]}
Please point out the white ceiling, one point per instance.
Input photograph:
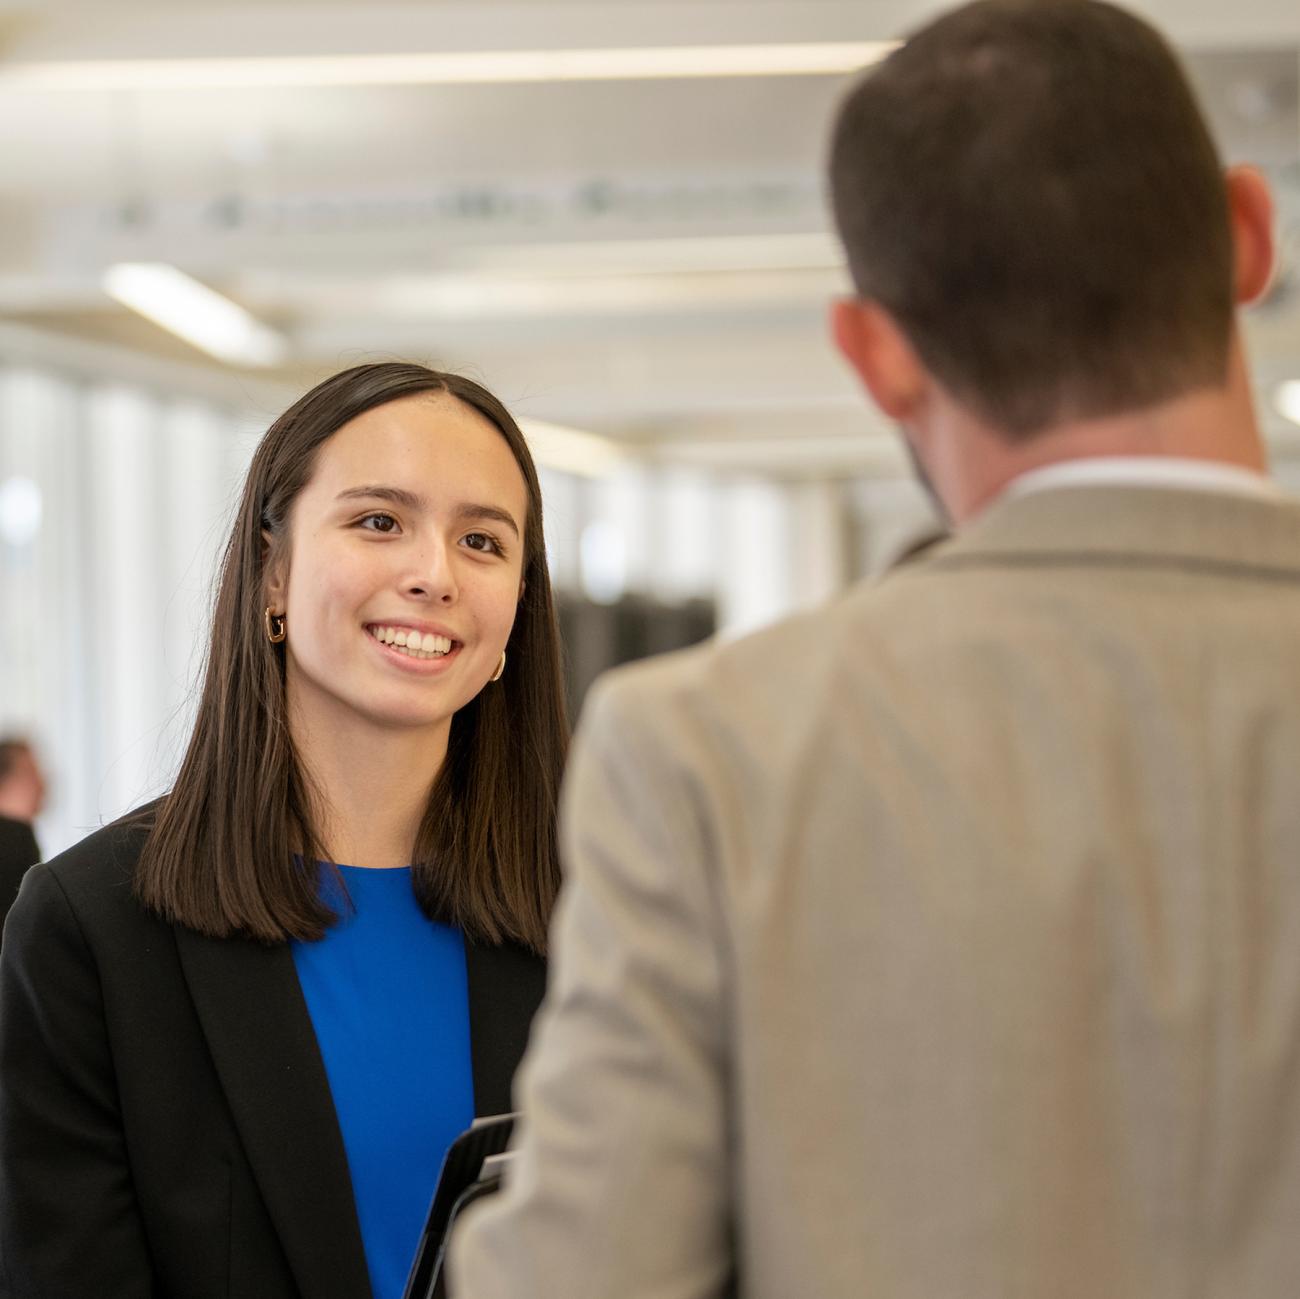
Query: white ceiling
{"points": [[648, 259]]}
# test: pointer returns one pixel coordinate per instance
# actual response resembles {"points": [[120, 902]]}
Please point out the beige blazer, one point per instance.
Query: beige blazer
{"points": [[944, 944]]}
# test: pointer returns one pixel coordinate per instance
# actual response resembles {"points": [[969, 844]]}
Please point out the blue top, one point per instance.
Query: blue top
{"points": [[389, 999]]}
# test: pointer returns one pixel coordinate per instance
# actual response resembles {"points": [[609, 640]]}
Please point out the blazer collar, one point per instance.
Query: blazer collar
{"points": [[1132, 525], [262, 1043]]}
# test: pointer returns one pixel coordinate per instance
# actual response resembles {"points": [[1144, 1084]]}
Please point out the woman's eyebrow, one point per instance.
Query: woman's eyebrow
{"points": [[414, 501], [469, 510], [397, 495]]}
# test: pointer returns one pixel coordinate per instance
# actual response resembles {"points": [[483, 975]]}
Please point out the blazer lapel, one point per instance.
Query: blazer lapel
{"points": [[259, 1033], [505, 988]]}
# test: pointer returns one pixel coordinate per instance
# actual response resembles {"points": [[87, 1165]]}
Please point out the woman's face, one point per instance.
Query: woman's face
{"points": [[404, 568]]}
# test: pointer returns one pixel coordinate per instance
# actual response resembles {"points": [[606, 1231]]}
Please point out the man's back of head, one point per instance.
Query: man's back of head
{"points": [[1028, 189]]}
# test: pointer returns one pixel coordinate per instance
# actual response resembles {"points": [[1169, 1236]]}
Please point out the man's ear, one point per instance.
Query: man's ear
{"points": [[872, 343], [1250, 209]]}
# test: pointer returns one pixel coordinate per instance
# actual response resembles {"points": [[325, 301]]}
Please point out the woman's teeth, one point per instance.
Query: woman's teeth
{"points": [[412, 643]]}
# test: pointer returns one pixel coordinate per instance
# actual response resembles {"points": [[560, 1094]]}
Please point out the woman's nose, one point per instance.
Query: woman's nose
{"points": [[433, 577]]}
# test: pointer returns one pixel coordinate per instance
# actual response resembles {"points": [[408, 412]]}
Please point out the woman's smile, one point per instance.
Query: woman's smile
{"points": [[409, 647]]}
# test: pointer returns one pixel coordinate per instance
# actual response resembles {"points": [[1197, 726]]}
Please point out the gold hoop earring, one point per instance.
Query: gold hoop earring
{"points": [[275, 629], [501, 667]]}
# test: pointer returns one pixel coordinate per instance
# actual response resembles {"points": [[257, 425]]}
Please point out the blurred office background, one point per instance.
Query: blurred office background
{"points": [[610, 212]]}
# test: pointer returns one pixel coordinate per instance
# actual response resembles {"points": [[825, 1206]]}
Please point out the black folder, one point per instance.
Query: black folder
{"points": [[472, 1169]]}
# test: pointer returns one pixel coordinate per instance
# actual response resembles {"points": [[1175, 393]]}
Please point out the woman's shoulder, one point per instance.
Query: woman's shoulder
{"points": [[80, 907], [96, 873]]}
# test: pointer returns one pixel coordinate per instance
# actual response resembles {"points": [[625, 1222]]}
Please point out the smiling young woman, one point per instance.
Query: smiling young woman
{"points": [[239, 1028]]}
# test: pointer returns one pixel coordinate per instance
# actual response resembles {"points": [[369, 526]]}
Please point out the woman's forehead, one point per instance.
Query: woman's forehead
{"points": [[431, 443]]}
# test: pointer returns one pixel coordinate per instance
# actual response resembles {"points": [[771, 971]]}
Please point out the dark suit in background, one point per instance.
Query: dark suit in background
{"points": [[166, 1124], [18, 851]]}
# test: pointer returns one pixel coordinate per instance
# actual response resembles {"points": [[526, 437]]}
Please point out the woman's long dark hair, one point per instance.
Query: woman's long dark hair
{"points": [[220, 855]]}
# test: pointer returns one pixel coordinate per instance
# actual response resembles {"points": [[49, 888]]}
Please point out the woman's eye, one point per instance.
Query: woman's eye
{"points": [[481, 541], [378, 523]]}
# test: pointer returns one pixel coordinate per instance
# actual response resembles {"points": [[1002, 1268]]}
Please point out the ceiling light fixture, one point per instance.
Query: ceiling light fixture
{"points": [[469, 67], [705, 254], [194, 312]]}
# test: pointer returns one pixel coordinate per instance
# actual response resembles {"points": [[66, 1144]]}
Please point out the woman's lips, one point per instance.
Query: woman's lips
{"points": [[413, 655]]}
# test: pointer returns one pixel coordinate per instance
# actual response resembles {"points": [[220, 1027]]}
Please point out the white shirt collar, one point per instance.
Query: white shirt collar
{"points": [[1142, 471]]}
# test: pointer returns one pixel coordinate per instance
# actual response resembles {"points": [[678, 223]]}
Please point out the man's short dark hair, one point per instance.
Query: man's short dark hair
{"points": [[1029, 189]]}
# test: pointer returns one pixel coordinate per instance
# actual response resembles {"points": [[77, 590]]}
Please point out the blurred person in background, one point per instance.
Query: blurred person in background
{"points": [[239, 1029], [22, 795], [22, 785], [947, 942]]}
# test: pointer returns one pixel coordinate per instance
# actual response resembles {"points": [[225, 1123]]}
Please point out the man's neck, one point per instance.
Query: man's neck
{"points": [[1211, 425]]}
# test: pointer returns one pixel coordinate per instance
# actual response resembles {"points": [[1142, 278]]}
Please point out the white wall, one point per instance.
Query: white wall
{"points": [[105, 609]]}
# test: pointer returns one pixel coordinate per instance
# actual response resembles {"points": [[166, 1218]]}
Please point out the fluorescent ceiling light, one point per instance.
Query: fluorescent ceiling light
{"points": [[570, 450], [682, 256], [1286, 400], [194, 312], [505, 297], [519, 279], [468, 67]]}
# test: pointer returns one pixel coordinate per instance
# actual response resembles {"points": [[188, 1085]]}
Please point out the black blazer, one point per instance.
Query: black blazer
{"points": [[166, 1125], [18, 851]]}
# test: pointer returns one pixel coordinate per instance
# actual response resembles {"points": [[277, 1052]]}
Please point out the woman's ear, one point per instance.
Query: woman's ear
{"points": [[275, 585]]}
